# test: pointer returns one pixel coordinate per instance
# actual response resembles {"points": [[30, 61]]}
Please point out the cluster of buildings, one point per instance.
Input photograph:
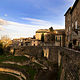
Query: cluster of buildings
{"points": [[59, 39]]}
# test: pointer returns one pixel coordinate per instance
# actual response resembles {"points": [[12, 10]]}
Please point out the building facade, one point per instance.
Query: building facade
{"points": [[72, 25], [58, 35], [40, 32]]}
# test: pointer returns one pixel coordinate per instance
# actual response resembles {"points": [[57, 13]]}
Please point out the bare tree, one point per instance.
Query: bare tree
{"points": [[6, 41]]}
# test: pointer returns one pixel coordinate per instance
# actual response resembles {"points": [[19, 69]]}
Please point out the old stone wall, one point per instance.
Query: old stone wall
{"points": [[68, 60], [37, 51], [67, 27], [76, 20], [69, 63]]}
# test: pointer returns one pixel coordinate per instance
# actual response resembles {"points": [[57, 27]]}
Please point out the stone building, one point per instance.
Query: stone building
{"points": [[72, 25], [68, 26], [59, 37], [40, 32], [58, 33], [35, 42]]}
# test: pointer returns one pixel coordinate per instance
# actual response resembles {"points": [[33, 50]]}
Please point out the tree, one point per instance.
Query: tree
{"points": [[42, 54], [50, 37], [34, 37], [6, 41], [1, 49], [42, 37], [51, 29]]}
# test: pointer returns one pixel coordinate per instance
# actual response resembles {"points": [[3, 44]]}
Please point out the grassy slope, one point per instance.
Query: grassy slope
{"points": [[7, 77], [28, 68]]}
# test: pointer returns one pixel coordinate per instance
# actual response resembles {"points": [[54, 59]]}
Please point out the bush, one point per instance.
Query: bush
{"points": [[1, 49]]}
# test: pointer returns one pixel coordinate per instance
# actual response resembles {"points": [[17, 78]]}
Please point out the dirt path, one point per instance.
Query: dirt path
{"points": [[48, 75]]}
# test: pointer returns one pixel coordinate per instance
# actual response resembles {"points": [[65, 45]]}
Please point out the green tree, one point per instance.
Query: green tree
{"points": [[42, 37], [1, 49], [14, 52], [42, 54]]}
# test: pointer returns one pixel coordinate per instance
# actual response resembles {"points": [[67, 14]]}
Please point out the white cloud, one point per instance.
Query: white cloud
{"points": [[16, 30], [38, 21], [1, 28], [43, 23], [3, 22], [5, 15]]}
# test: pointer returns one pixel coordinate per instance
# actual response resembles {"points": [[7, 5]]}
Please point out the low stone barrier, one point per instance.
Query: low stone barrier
{"points": [[12, 71], [69, 63]]}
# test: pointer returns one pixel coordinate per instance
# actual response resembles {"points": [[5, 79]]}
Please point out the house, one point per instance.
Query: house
{"points": [[35, 42], [59, 37], [72, 25], [40, 32]]}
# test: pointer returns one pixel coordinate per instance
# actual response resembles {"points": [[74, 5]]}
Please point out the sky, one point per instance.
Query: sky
{"points": [[21, 18]]}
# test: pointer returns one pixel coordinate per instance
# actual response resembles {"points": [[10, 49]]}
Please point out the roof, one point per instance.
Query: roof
{"points": [[59, 31], [68, 11], [72, 8], [56, 31], [35, 40], [74, 5], [42, 31]]}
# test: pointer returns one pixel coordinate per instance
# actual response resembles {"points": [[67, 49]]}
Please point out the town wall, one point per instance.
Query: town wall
{"points": [[49, 52], [69, 64]]}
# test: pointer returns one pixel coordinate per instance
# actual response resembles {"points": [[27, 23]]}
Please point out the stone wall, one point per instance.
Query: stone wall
{"points": [[67, 26], [69, 64], [49, 52], [68, 60]]}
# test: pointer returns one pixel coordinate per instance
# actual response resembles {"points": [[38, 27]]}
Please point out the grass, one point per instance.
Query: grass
{"points": [[29, 69], [13, 58], [7, 77]]}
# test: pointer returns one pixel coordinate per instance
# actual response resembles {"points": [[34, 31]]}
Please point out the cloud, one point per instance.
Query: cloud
{"points": [[38, 21], [43, 23], [5, 15], [16, 29], [3, 22], [1, 28]]}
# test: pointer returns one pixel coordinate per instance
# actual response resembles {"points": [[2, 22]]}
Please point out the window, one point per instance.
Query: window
{"points": [[69, 28], [60, 38], [76, 25], [56, 38], [72, 25]]}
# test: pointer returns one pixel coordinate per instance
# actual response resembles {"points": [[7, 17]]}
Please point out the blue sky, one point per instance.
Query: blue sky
{"points": [[21, 18]]}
